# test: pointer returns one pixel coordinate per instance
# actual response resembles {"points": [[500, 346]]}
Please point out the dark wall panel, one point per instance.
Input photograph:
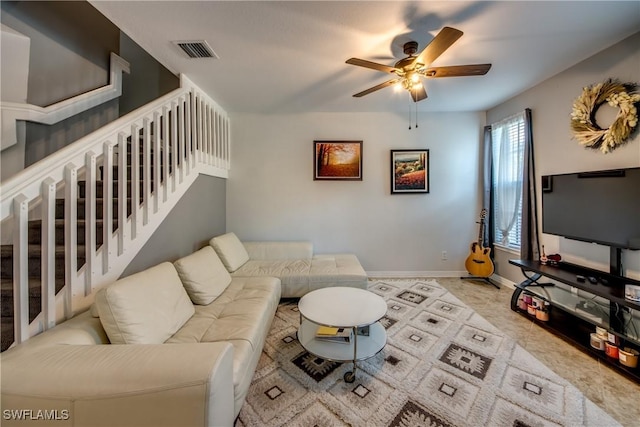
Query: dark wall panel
{"points": [[70, 47], [199, 215], [148, 79]]}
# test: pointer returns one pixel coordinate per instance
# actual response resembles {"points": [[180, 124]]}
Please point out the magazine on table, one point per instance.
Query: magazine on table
{"points": [[340, 335]]}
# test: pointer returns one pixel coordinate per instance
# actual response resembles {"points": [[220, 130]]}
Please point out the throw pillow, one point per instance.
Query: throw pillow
{"points": [[144, 308], [230, 250], [203, 275]]}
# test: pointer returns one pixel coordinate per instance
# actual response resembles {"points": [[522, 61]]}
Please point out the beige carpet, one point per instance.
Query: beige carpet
{"points": [[443, 365]]}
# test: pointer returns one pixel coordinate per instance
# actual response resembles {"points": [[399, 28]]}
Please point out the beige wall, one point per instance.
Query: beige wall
{"points": [[556, 152], [198, 217], [271, 193]]}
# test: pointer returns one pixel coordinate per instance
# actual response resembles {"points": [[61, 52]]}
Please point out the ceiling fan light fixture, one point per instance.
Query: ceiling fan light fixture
{"points": [[410, 70], [411, 83]]}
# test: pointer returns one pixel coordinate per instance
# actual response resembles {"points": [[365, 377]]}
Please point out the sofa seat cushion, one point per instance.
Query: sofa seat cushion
{"points": [[242, 316], [290, 271], [144, 308], [239, 313], [337, 270], [301, 276], [230, 250], [203, 275]]}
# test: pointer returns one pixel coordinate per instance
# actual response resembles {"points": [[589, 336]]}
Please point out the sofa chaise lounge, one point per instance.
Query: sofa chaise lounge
{"points": [[174, 345], [300, 270]]}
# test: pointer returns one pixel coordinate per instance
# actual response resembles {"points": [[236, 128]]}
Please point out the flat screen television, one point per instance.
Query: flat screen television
{"points": [[601, 207]]}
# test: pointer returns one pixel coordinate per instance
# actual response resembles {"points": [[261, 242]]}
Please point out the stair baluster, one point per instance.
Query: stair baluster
{"points": [[97, 201]]}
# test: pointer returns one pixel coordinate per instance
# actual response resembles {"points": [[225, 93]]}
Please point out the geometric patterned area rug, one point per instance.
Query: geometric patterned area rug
{"points": [[443, 365]]}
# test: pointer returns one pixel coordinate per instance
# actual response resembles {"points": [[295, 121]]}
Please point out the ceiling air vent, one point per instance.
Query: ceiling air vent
{"points": [[197, 49]]}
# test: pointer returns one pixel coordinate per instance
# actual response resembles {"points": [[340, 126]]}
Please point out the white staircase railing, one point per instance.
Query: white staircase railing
{"points": [[170, 142]]}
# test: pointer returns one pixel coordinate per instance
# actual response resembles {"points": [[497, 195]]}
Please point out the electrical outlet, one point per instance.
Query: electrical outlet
{"points": [[444, 256]]}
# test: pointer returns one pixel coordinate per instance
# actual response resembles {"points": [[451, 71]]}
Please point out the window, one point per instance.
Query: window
{"points": [[508, 142]]}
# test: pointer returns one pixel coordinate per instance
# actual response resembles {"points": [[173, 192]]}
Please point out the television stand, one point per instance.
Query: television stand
{"points": [[577, 307]]}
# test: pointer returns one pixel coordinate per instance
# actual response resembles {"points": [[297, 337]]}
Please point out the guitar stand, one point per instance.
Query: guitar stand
{"points": [[484, 279]]}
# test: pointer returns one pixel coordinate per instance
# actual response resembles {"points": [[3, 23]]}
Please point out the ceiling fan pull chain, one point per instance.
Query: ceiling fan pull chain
{"points": [[416, 114], [409, 118]]}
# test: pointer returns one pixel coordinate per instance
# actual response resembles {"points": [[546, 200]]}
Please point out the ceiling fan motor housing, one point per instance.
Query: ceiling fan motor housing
{"points": [[406, 64], [410, 48]]}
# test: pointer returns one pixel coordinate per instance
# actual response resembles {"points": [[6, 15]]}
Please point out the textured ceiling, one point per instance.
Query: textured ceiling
{"points": [[285, 56]]}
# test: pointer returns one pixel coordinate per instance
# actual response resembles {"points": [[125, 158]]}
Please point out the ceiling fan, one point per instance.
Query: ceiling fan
{"points": [[408, 71]]}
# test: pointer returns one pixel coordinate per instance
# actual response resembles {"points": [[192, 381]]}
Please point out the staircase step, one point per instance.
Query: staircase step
{"points": [[82, 185], [141, 146], [34, 265], [151, 170], [141, 157], [116, 168], [35, 299], [82, 206], [35, 290], [35, 231], [6, 285], [6, 325]]}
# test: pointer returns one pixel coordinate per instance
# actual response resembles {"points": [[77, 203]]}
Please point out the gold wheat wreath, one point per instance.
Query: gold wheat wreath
{"points": [[616, 94]]}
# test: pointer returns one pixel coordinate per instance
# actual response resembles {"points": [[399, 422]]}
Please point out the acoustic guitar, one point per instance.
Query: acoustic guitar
{"points": [[479, 263]]}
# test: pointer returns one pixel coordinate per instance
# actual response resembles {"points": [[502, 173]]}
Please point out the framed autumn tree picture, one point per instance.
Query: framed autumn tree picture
{"points": [[337, 160], [409, 171]]}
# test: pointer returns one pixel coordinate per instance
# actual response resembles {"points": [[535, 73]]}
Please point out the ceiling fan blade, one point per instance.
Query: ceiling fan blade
{"points": [[372, 65], [457, 71], [377, 87], [441, 42], [418, 94]]}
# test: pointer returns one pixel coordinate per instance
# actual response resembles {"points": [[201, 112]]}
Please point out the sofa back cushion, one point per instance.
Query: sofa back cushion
{"points": [[230, 250], [203, 275], [279, 250], [144, 308]]}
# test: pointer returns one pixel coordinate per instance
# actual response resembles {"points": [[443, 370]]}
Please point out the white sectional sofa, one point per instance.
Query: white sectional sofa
{"points": [[294, 263], [174, 345]]}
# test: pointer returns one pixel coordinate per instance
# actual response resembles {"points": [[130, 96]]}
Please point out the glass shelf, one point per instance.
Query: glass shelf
{"points": [[561, 296], [577, 307]]}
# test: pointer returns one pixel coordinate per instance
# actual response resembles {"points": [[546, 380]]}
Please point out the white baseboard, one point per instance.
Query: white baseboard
{"points": [[410, 274], [504, 282], [390, 274]]}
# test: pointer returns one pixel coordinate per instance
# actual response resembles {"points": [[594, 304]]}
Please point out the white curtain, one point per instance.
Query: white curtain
{"points": [[507, 172]]}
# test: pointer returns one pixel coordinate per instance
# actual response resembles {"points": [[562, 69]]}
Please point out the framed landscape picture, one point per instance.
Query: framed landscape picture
{"points": [[409, 171], [337, 160]]}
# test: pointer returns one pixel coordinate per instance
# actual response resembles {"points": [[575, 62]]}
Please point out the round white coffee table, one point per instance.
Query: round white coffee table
{"points": [[349, 308]]}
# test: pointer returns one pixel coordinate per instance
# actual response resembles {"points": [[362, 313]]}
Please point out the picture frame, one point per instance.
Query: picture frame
{"points": [[337, 160], [409, 171]]}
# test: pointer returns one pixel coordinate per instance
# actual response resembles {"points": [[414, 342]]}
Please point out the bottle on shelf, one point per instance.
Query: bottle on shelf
{"points": [[542, 312]]}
